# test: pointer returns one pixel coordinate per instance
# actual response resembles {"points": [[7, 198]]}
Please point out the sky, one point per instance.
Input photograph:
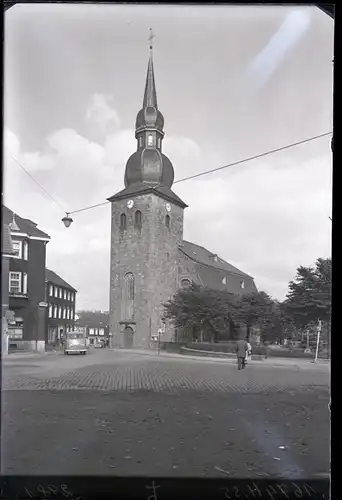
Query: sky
{"points": [[232, 82]]}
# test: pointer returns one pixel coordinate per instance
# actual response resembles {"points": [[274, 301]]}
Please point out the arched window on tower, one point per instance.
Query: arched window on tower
{"points": [[158, 142], [150, 140], [123, 222], [129, 292], [140, 141], [137, 219], [167, 221]]}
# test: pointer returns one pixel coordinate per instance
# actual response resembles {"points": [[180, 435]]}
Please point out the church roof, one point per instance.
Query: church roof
{"points": [[214, 278], [142, 188], [203, 256], [209, 270]]}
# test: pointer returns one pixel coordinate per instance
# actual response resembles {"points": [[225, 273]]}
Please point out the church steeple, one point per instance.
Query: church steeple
{"points": [[150, 94], [150, 122], [148, 164]]}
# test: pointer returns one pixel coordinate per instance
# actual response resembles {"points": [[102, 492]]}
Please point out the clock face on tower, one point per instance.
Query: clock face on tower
{"points": [[168, 207], [130, 204]]}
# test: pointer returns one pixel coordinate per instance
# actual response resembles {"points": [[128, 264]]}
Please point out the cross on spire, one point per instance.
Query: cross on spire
{"points": [[150, 39]]}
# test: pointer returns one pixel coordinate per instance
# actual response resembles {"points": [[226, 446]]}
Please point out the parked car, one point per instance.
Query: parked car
{"points": [[99, 344]]}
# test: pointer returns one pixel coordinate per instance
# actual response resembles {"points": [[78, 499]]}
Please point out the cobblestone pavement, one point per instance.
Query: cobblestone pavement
{"points": [[125, 414], [106, 371]]}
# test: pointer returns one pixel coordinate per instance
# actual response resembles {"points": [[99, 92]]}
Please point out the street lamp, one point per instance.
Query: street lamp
{"points": [[67, 220]]}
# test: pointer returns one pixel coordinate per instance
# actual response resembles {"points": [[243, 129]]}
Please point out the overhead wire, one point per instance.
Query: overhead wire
{"points": [[38, 183], [194, 176]]}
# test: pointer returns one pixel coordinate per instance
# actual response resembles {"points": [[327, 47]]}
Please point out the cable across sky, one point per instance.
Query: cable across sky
{"points": [[206, 172]]}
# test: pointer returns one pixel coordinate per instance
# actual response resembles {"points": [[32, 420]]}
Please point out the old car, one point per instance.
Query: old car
{"points": [[75, 342]]}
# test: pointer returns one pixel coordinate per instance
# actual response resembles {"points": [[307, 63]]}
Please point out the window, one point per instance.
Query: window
{"points": [[158, 142], [51, 290], [123, 223], [24, 289], [25, 250], [167, 221], [185, 284], [65, 294], [68, 312], [17, 282], [59, 312], [72, 314], [56, 291], [91, 331], [242, 284], [72, 296], [137, 219], [129, 296], [17, 248], [50, 310], [55, 311], [150, 140], [14, 282], [60, 293], [224, 280], [68, 296], [64, 312], [140, 142]]}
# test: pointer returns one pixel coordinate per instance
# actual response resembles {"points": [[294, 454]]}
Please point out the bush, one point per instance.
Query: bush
{"points": [[230, 346], [171, 346]]}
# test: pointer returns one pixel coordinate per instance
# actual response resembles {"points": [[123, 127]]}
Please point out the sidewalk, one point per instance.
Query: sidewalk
{"points": [[27, 354], [269, 362]]}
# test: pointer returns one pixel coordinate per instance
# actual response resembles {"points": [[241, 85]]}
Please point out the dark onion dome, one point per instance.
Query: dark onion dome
{"points": [[149, 117], [149, 166]]}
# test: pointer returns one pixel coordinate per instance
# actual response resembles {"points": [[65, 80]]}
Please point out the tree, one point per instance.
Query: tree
{"points": [[255, 309], [201, 313], [309, 297]]}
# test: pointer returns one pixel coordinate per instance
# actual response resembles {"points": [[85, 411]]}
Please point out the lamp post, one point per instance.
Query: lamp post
{"points": [[319, 327], [160, 331]]}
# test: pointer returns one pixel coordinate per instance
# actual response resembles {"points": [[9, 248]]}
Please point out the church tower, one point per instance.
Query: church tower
{"points": [[146, 230]]}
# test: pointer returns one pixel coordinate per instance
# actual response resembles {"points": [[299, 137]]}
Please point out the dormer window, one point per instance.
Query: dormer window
{"points": [[224, 280], [150, 140], [185, 284], [242, 284]]}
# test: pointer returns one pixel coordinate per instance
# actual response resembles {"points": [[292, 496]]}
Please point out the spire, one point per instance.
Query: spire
{"points": [[148, 164], [150, 95]]}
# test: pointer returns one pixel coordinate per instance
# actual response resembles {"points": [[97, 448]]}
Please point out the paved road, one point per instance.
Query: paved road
{"points": [[128, 414]]}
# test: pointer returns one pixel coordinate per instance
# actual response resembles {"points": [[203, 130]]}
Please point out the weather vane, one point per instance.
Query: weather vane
{"points": [[150, 39]]}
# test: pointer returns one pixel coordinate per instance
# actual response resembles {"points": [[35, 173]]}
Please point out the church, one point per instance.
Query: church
{"points": [[149, 260]]}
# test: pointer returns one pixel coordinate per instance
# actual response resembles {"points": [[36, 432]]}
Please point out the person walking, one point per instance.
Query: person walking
{"points": [[241, 350]]}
